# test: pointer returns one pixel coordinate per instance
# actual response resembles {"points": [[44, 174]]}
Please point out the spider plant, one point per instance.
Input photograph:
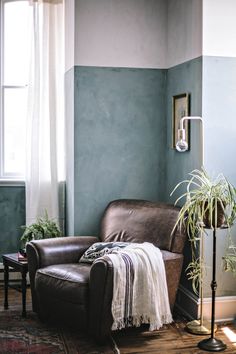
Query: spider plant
{"points": [[209, 203], [206, 201]]}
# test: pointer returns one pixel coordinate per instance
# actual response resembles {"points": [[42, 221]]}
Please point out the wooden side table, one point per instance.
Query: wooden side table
{"points": [[11, 260]]}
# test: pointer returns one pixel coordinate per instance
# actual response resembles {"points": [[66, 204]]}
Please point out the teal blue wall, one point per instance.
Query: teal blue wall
{"points": [[219, 111], [219, 108], [211, 83], [119, 139], [186, 77], [121, 146], [12, 216]]}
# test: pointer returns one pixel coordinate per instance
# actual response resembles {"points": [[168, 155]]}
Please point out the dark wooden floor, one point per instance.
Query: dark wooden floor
{"points": [[171, 339]]}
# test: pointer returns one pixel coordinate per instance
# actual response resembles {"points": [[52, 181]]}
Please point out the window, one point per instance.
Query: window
{"points": [[15, 54]]}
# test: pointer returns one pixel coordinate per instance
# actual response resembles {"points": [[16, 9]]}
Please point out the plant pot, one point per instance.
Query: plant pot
{"points": [[210, 221]]}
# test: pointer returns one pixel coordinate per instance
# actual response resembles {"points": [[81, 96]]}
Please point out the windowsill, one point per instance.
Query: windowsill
{"points": [[11, 182]]}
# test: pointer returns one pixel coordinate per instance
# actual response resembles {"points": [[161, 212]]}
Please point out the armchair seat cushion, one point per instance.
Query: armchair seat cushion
{"points": [[65, 282]]}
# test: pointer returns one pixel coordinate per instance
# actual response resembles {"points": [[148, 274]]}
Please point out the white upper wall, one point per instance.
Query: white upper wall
{"points": [[184, 32], [121, 33], [69, 33], [133, 33], [219, 28]]}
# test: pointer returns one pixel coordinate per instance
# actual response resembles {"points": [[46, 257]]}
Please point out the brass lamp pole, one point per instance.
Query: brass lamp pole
{"points": [[195, 326]]}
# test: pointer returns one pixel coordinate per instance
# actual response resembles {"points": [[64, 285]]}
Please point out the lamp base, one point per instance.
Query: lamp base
{"points": [[195, 327], [212, 345]]}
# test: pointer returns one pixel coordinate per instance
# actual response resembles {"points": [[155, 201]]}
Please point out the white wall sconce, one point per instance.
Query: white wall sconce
{"points": [[182, 145]]}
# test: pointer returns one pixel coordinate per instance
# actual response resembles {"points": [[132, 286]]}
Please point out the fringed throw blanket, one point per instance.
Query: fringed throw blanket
{"points": [[139, 287]]}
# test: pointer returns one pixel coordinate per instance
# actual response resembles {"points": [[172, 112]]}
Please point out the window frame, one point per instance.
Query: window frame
{"points": [[5, 177]]}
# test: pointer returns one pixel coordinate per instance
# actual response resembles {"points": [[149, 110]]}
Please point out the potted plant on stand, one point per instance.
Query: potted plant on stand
{"points": [[41, 229], [209, 203]]}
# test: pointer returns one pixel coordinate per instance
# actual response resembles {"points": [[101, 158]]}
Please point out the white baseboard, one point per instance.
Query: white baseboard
{"points": [[189, 304], [225, 309]]}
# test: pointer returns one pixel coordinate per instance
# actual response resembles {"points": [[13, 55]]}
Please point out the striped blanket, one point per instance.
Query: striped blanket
{"points": [[139, 287]]}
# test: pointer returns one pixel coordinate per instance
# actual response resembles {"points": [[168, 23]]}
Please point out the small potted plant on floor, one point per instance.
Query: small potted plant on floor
{"points": [[41, 229], [209, 203]]}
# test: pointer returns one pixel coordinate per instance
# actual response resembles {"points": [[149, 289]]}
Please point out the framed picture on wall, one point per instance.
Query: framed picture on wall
{"points": [[180, 108]]}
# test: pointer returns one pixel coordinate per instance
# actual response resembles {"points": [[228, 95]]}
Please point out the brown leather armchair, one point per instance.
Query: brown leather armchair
{"points": [[81, 293]]}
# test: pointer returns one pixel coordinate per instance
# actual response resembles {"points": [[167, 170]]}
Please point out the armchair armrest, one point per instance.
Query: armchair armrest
{"points": [[42, 253], [100, 293], [58, 250]]}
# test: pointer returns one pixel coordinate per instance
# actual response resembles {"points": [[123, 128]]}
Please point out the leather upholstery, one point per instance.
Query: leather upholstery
{"points": [[63, 250], [68, 282], [69, 286], [82, 292], [140, 221]]}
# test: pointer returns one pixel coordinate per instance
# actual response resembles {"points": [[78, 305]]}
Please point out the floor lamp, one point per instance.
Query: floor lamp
{"points": [[211, 344], [195, 326]]}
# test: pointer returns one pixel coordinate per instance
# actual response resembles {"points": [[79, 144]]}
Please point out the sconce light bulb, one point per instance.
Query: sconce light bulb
{"points": [[181, 145]]}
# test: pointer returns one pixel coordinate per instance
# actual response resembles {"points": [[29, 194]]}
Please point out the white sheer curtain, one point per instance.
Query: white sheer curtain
{"points": [[45, 138]]}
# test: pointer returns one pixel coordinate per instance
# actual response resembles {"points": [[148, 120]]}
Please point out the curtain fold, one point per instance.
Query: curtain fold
{"points": [[45, 121]]}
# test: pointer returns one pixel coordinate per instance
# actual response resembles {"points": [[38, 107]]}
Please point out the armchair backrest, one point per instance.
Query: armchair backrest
{"points": [[131, 220]]}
